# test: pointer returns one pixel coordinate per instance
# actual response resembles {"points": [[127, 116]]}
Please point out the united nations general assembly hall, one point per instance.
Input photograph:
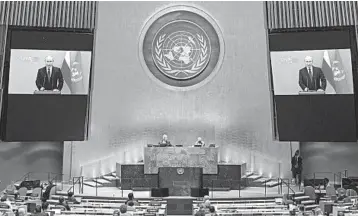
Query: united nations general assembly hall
{"points": [[175, 108]]}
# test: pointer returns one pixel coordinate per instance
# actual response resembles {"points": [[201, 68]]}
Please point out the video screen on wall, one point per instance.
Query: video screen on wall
{"points": [[47, 76], [313, 85], [322, 71], [65, 72]]}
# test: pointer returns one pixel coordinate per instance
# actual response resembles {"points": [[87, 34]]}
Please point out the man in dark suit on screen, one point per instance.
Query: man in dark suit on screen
{"points": [[311, 78], [49, 77]]}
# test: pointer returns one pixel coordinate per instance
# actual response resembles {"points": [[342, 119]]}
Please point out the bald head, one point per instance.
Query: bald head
{"points": [[206, 197], [199, 138], [49, 61], [165, 137], [308, 61]]}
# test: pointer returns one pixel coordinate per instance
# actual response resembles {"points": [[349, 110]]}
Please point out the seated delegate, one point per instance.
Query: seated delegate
{"points": [[165, 142], [199, 143]]}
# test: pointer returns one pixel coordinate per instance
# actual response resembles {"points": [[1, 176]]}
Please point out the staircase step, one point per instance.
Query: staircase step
{"points": [[92, 184], [254, 177], [262, 180], [272, 183], [301, 198], [300, 193], [308, 202], [310, 207], [248, 173], [249, 181], [110, 177], [101, 181], [220, 189], [141, 189]]}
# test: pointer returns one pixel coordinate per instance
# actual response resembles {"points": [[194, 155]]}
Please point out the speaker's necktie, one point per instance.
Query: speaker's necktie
{"points": [[310, 73], [49, 74]]}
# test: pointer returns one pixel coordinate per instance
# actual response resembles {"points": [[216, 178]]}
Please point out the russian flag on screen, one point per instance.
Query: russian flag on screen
{"points": [[72, 72], [334, 71]]}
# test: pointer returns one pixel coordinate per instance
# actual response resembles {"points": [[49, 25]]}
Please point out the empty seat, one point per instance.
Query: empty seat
{"points": [[22, 191], [310, 191]]}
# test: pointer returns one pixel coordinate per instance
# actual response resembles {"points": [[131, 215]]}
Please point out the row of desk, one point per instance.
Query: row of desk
{"points": [[91, 208], [235, 209]]}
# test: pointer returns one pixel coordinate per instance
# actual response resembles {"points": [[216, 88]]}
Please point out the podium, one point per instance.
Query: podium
{"points": [[180, 180], [204, 157], [47, 92], [311, 92]]}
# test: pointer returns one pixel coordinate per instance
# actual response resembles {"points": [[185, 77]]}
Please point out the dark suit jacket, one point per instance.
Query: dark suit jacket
{"points": [[318, 80], [55, 81], [46, 194], [65, 204], [133, 200], [294, 162]]}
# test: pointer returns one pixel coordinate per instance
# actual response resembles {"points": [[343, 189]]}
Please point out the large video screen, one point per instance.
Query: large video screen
{"points": [[325, 71], [47, 77], [313, 80], [49, 70]]}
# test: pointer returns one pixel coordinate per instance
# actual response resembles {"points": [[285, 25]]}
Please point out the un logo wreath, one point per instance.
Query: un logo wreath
{"points": [[181, 47], [194, 69], [180, 171]]}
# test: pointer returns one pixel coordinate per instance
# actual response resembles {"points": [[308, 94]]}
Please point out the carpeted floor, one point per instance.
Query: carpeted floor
{"points": [[179, 206]]}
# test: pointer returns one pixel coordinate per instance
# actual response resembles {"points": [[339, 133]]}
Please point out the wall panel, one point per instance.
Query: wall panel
{"points": [[16, 159], [305, 14], [328, 157], [55, 14], [129, 110]]}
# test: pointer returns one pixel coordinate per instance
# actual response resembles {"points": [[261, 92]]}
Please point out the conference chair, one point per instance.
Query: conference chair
{"points": [[330, 191], [310, 191], [22, 192], [37, 192], [351, 193], [286, 200], [52, 192]]}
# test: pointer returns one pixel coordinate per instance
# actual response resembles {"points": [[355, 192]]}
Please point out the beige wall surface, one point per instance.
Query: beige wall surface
{"points": [[130, 110]]}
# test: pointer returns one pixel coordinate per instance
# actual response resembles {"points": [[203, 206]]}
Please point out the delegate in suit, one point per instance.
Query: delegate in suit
{"points": [[49, 77], [296, 167], [165, 142], [311, 78]]}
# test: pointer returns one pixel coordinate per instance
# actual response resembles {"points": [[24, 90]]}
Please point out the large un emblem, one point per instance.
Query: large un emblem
{"points": [[181, 54], [181, 47]]}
